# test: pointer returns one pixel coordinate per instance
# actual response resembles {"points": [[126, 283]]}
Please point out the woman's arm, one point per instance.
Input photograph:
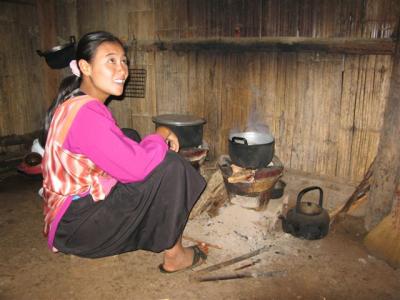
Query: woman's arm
{"points": [[95, 134]]}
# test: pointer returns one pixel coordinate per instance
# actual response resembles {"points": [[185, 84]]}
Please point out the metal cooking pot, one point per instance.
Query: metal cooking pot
{"points": [[60, 56], [188, 129], [307, 220], [251, 149]]}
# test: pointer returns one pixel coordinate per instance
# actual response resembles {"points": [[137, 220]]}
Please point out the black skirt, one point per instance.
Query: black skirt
{"points": [[148, 215]]}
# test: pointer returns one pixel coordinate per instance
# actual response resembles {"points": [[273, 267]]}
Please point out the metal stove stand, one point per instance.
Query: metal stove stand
{"points": [[259, 185]]}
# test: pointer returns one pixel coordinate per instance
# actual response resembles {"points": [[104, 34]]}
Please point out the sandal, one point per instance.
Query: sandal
{"points": [[199, 257]]}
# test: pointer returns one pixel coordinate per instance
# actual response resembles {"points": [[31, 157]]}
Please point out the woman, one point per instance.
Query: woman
{"points": [[104, 193]]}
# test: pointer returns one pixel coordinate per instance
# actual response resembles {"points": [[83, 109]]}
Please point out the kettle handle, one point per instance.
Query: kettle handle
{"points": [[311, 188]]}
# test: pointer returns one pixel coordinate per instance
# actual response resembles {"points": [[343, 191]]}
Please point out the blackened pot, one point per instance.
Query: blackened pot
{"points": [[251, 150], [188, 129], [60, 56]]}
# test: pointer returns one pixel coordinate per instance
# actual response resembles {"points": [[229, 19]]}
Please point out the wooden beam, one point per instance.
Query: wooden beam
{"points": [[287, 44], [31, 2], [387, 164]]}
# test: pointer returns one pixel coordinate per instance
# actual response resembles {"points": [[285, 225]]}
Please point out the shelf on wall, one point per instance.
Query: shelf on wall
{"points": [[383, 46]]}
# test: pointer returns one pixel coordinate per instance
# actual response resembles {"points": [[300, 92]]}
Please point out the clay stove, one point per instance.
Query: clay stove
{"points": [[248, 182]]}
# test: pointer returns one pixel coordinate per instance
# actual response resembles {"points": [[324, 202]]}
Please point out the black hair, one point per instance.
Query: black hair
{"points": [[69, 86]]}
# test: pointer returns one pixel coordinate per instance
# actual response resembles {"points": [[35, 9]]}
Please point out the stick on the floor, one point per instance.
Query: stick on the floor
{"points": [[234, 260], [238, 275], [185, 237]]}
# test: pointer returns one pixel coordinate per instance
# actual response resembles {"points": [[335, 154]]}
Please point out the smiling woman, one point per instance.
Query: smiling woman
{"points": [[106, 73], [104, 192]]}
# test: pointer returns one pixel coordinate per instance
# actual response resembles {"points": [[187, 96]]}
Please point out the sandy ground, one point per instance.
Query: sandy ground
{"points": [[335, 267]]}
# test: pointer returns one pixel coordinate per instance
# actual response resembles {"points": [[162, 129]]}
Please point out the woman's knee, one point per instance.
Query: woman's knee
{"points": [[174, 162]]}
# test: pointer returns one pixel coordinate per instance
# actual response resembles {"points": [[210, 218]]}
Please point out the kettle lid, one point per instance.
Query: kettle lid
{"points": [[309, 208]]}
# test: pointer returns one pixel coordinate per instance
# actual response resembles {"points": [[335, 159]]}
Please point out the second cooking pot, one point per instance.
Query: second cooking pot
{"points": [[251, 149], [60, 56], [188, 129]]}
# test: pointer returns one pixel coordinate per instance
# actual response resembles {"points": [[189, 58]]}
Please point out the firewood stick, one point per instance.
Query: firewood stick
{"points": [[356, 204], [342, 208], [358, 193], [238, 275], [234, 260], [236, 169], [201, 242], [247, 265], [245, 175]]}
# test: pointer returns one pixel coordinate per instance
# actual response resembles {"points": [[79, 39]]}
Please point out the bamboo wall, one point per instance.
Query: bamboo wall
{"points": [[21, 97], [324, 109]]}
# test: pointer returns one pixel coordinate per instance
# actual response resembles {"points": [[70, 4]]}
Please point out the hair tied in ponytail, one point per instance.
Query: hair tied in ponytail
{"points": [[74, 68]]}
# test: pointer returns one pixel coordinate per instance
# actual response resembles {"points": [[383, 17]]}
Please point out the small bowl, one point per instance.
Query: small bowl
{"points": [[33, 159]]}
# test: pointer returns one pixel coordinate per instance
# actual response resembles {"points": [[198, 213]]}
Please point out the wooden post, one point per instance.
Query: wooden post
{"points": [[387, 165], [47, 28]]}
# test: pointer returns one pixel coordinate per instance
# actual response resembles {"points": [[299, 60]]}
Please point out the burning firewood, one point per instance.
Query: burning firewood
{"points": [[241, 175], [236, 169]]}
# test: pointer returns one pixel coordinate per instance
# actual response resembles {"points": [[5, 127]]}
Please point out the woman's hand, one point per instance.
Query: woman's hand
{"points": [[169, 136], [173, 142]]}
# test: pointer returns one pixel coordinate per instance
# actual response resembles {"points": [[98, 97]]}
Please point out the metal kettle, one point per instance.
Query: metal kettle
{"points": [[307, 220]]}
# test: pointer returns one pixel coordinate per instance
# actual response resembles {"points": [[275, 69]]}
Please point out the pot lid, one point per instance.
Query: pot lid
{"points": [[251, 138], [178, 120]]}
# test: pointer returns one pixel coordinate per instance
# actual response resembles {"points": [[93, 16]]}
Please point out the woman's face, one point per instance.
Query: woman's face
{"points": [[106, 73]]}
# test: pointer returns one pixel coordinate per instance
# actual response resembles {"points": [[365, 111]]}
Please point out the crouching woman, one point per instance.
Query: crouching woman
{"points": [[104, 192]]}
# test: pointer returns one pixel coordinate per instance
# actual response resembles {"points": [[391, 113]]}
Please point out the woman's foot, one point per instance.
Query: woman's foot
{"points": [[180, 258]]}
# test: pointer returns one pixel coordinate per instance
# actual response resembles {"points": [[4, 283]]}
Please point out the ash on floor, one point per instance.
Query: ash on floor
{"points": [[240, 228], [237, 228]]}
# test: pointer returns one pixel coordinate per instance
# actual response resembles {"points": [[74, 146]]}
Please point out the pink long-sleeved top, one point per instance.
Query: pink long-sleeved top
{"points": [[95, 135]]}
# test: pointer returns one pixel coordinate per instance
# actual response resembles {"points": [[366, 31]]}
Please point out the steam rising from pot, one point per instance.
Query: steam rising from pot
{"points": [[255, 120]]}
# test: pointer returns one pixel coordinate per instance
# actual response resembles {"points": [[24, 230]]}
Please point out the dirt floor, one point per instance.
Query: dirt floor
{"points": [[335, 267]]}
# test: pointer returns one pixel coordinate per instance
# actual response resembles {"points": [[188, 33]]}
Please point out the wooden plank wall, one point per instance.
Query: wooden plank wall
{"points": [[325, 110], [21, 78]]}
